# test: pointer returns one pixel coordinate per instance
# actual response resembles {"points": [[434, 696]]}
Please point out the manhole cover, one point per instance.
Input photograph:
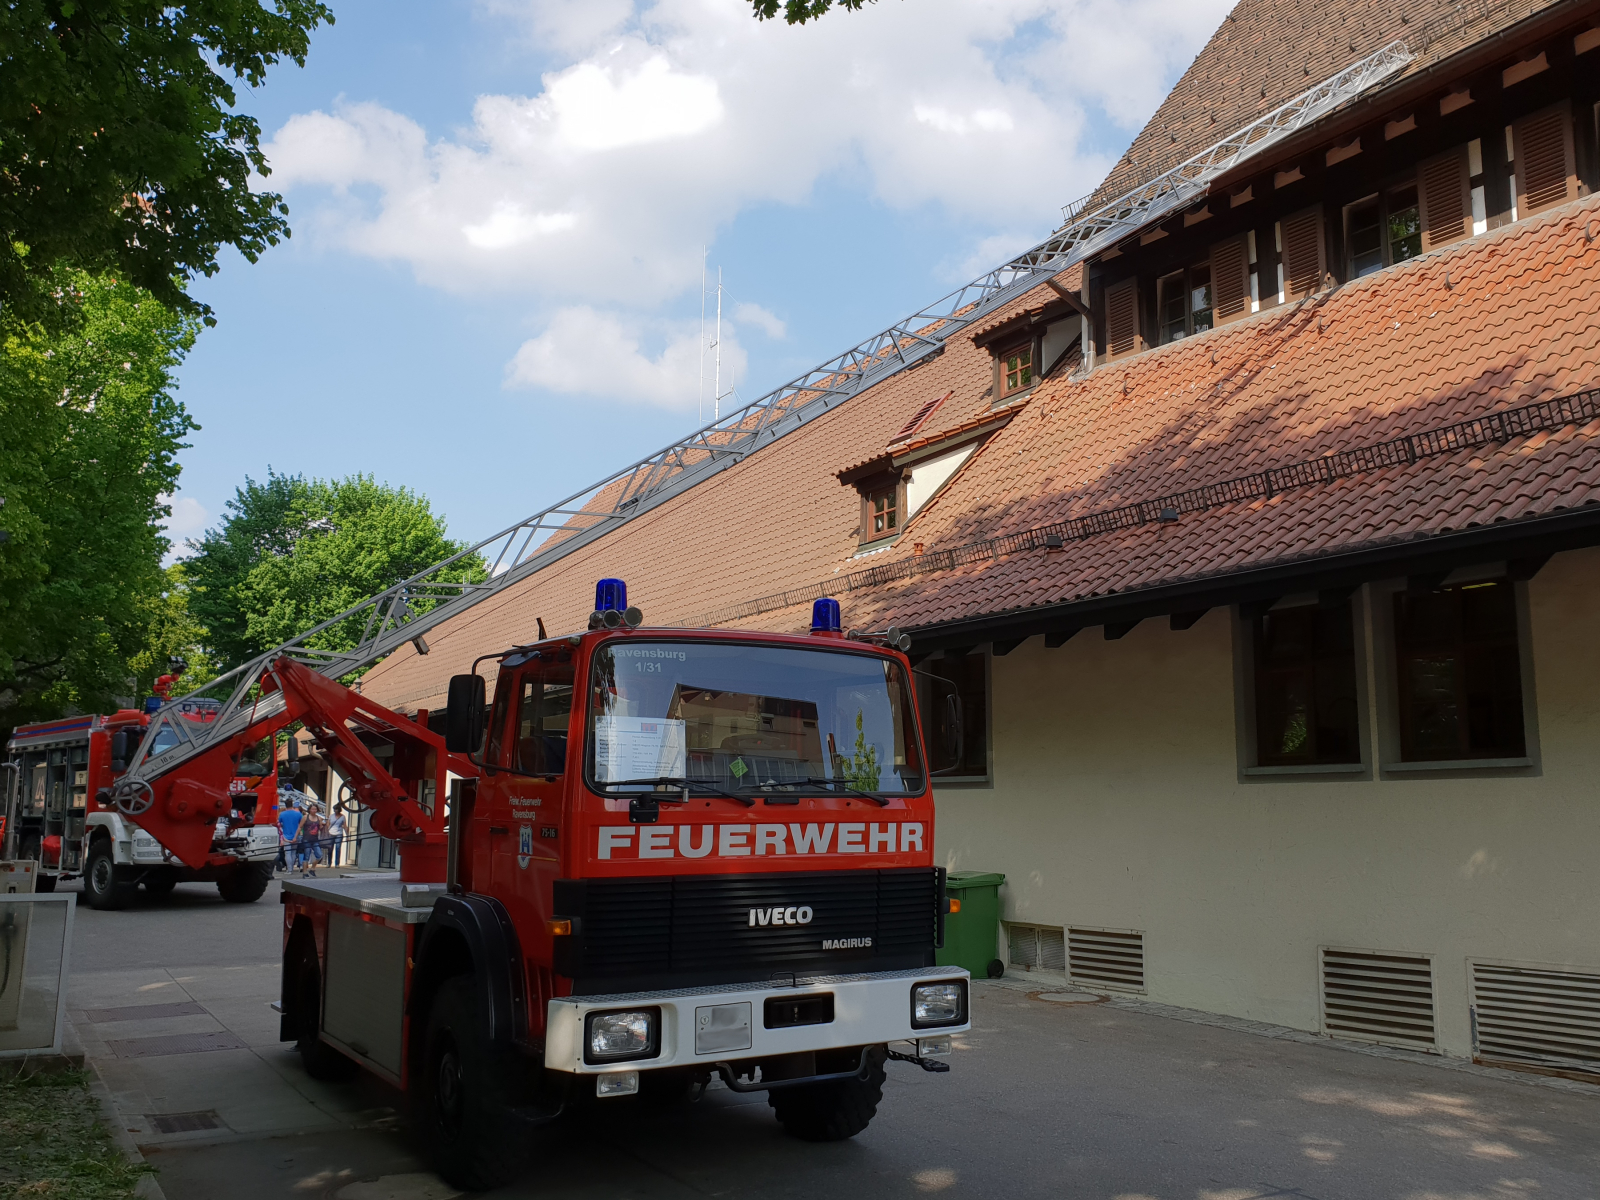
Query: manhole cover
{"points": [[1071, 997], [175, 1043], [185, 1122]]}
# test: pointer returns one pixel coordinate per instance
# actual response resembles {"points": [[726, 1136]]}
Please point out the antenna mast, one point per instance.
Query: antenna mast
{"points": [[716, 387], [700, 393]]}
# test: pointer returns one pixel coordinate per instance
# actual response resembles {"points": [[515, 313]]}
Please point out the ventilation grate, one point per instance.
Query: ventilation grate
{"points": [[1037, 948], [1378, 997], [1544, 1016], [1108, 958]]}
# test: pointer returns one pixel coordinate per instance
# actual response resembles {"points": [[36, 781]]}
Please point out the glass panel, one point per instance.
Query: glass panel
{"points": [[741, 717], [1405, 225], [1366, 241], [543, 713], [1306, 687], [1460, 673], [1173, 302], [33, 950], [1200, 298]]}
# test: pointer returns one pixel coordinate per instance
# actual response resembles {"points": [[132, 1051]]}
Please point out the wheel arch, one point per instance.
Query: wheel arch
{"points": [[472, 935]]}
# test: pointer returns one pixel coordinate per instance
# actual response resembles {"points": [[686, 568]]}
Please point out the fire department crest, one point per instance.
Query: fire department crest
{"points": [[524, 846]]}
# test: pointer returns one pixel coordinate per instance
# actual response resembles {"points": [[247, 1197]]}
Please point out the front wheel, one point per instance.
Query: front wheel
{"points": [[832, 1111], [467, 1093], [101, 887], [245, 883]]}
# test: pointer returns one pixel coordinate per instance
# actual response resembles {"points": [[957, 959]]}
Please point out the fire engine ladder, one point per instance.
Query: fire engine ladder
{"points": [[405, 612]]}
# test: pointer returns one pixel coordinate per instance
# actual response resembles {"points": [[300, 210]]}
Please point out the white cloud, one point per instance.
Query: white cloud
{"points": [[596, 189], [188, 520], [753, 314], [567, 357]]}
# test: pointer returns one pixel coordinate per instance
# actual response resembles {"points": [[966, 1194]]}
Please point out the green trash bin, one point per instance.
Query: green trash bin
{"points": [[970, 934]]}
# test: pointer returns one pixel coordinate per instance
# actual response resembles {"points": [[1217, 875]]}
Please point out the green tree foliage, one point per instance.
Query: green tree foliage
{"points": [[171, 631], [120, 151], [89, 436], [798, 12], [293, 552]]}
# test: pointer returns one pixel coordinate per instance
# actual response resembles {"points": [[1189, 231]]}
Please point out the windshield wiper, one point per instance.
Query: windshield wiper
{"points": [[839, 783], [678, 781]]}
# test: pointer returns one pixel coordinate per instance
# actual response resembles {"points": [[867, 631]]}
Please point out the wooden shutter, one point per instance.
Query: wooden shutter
{"points": [[1122, 319], [1545, 173], [1303, 264], [1444, 199], [1230, 280]]}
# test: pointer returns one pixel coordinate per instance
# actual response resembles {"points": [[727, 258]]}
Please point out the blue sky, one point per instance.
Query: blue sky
{"points": [[493, 291]]}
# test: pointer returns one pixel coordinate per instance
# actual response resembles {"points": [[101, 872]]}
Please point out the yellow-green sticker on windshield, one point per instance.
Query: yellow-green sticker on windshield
{"points": [[737, 768]]}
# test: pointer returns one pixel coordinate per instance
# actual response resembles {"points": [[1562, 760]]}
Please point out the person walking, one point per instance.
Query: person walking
{"points": [[288, 831], [310, 842], [336, 828]]}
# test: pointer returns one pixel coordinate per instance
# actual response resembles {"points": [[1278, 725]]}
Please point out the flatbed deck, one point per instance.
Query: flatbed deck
{"points": [[378, 895]]}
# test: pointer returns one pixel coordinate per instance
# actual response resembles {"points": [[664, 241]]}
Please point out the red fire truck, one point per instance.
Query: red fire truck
{"points": [[57, 812], [667, 855]]}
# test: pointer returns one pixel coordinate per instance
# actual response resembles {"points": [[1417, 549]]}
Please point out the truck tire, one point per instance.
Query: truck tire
{"points": [[158, 884], [245, 884], [101, 886], [321, 1061], [466, 1096], [831, 1112]]}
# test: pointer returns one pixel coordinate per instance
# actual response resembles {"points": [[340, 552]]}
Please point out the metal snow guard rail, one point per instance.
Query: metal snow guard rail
{"points": [[406, 611]]}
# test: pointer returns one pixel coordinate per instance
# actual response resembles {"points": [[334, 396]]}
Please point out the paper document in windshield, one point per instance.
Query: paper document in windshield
{"points": [[637, 748]]}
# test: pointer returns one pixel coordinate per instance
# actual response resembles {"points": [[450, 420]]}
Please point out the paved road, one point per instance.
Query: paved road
{"points": [[1045, 1099]]}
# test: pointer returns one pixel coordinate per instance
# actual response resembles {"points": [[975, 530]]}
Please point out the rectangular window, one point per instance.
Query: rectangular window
{"points": [[884, 513], [1184, 299], [1459, 673], [1366, 239], [1384, 230], [1405, 224], [1016, 369], [1305, 686], [940, 681], [543, 713]]}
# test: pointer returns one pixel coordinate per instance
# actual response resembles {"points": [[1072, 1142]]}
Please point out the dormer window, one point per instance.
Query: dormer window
{"points": [[1016, 369]]}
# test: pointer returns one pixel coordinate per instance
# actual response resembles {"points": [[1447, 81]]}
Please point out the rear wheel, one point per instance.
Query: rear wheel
{"points": [[245, 884], [467, 1093], [101, 886], [321, 1060], [833, 1111]]}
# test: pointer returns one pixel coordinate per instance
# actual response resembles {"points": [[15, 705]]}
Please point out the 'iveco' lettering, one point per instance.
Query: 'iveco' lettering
{"points": [[847, 943], [758, 839], [793, 915]]}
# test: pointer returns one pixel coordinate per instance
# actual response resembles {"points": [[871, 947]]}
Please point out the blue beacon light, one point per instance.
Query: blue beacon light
{"points": [[825, 616], [610, 595]]}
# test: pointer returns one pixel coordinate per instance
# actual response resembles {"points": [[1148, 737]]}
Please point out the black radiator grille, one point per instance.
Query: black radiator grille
{"points": [[691, 929]]}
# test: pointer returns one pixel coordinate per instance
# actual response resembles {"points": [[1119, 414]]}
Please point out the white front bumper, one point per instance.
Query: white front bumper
{"points": [[867, 1010]]}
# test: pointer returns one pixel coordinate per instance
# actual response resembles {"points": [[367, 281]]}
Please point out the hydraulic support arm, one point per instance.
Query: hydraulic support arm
{"points": [[405, 793]]}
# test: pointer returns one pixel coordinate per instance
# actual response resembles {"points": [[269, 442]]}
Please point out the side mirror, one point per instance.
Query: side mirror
{"points": [[463, 727], [124, 744]]}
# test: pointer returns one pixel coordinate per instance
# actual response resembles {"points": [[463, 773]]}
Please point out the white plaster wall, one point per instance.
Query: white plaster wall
{"points": [[1117, 802]]}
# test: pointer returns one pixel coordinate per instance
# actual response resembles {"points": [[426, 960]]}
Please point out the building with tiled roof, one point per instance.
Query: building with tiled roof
{"points": [[1259, 547]]}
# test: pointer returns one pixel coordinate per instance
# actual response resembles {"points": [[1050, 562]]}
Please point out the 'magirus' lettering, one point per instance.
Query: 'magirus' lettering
{"points": [[758, 839]]}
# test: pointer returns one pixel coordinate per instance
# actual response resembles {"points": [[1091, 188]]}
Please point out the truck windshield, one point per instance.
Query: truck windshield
{"points": [[751, 718]]}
